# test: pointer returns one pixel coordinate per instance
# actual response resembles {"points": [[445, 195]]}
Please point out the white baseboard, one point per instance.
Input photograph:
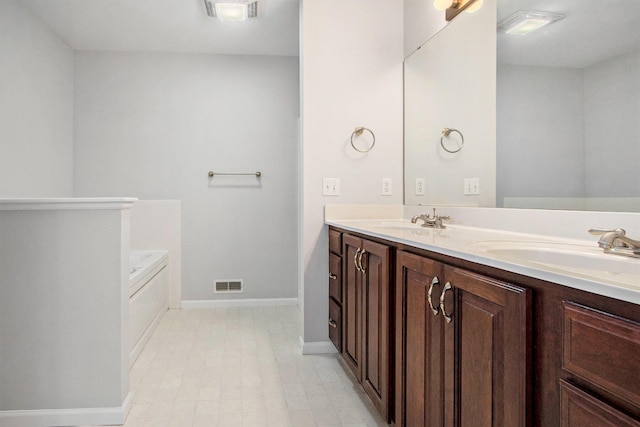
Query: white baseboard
{"points": [[66, 417], [255, 302], [318, 347]]}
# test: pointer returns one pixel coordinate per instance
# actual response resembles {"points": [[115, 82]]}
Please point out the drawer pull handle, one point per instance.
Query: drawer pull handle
{"points": [[332, 323], [448, 317], [435, 281], [333, 276]]}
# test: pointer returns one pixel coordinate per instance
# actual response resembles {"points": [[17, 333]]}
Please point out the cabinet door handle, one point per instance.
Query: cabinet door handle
{"points": [[332, 323], [332, 276], [448, 317], [435, 281], [360, 260], [355, 259]]}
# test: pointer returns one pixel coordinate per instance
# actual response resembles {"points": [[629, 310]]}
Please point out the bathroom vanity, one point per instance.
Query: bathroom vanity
{"points": [[468, 326]]}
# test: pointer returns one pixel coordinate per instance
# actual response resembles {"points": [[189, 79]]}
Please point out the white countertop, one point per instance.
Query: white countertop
{"points": [[475, 244]]}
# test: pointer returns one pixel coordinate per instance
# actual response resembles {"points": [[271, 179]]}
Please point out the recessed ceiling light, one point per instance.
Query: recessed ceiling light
{"points": [[524, 22], [230, 10]]}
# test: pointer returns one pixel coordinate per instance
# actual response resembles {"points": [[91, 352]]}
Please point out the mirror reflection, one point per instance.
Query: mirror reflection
{"points": [[450, 84], [567, 103]]}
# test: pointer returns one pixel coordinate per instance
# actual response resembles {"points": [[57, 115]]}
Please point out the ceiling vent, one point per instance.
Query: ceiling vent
{"points": [[232, 10]]}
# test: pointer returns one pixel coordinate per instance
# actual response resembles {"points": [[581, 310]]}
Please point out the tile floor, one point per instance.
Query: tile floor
{"points": [[232, 367]]}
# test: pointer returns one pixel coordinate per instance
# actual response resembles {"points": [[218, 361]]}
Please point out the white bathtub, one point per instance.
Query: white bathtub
{"points": [[148, 296]]}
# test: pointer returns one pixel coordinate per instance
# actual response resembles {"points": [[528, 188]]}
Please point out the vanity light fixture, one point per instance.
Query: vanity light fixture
{"points": [[232, 10], [454, 7], [525, 21]]}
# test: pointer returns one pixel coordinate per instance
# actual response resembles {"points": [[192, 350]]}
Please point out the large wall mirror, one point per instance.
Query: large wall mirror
{"points": [[450, 84], [567, 127]]}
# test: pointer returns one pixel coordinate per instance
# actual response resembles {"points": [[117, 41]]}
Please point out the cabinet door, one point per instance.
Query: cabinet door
{"points": [[419, 374], [352, 306], [376, 298], [490, 335]]}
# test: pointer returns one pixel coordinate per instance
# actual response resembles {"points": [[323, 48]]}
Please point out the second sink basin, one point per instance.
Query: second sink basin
{"points": [[583, 260]]}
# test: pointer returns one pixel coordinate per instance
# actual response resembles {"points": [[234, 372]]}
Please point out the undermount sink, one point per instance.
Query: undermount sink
{"points": [[584, 260]]}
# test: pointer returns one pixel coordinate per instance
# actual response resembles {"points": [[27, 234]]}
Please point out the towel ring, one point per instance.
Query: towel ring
{"points": [[445, 133], [358, 132]]}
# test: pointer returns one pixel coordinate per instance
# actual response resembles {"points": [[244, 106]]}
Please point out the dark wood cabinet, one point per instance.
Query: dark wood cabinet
{"points": [[600, 352], [335, 277], [462, 347], [352, 307], [367, 316], [420, 352], [517, 351], [335, 289], [377, 312], [335, 323], [490, 335], [580, 409]]}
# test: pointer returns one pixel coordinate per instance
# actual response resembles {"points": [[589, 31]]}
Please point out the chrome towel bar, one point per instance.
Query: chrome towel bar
{"points": [[256, 174]]}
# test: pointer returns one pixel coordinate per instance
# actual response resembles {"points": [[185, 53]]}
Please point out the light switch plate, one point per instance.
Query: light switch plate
{"points": [[471, 186], [330, 186]]}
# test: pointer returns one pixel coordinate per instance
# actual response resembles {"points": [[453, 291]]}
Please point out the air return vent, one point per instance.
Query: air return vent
{"points": [[228, 286]]}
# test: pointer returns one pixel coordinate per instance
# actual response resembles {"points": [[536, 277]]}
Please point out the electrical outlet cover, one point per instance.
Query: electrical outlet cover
{"points": [[387, 186], [420, 186]]}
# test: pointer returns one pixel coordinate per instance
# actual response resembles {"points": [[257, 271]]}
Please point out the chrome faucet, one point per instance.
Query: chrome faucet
{"points": [[429, 221], [616, 242]]}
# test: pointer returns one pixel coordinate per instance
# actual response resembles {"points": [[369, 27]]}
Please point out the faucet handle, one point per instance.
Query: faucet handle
{"points": [[447, 217], [599, 231], [438, 220]]}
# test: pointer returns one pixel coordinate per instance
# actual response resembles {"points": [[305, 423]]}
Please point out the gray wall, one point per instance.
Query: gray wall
{"points": [[351, 76], [566, 132], [540, 132], [64, 312], [153, 125], [612, 123], [36, 107]]}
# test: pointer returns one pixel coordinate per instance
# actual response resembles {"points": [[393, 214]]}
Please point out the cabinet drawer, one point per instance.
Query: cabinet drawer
{"points": [[335, 277], [603, 349], [335, 241], [580, 409], [335, 324]]}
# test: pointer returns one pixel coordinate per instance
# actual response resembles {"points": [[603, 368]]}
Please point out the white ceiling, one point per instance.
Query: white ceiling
{"points": [[592, 31], [178, 26]]}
